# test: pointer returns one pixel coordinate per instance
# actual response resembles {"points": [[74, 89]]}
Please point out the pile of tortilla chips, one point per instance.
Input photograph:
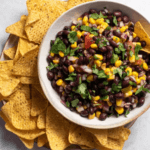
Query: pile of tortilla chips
{"points": [[27, 112]]}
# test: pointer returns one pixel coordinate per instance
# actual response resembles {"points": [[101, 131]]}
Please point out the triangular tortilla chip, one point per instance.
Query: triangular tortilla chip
{"points": [[41, 122], [28, 143], [10, 53], [29, 80], [42, 140]]}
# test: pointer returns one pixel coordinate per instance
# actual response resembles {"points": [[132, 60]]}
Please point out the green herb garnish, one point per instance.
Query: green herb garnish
{"points": [[137, 49], [114, 58], [104, 97], [74, 103], [71, 77], [115, 20], [72, 52], [142, 89], [132, 83], [119, 71], [105, 83], [127, 112], [131, 53], [72, 36], [67, 104], [51, 66]]}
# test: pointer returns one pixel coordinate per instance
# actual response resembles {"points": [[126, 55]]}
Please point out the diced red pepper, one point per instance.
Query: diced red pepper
{"points": [[139, 62], [131, 46], [88, 41]]}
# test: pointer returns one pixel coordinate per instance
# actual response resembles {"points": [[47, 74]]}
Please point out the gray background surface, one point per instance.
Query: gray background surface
{"points": [[10, 12]]}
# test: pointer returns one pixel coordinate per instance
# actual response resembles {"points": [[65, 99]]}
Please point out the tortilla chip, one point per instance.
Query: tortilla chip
{"points": [[100, 147], [39, 88], [39, 103], [41, 122], [118, 133], [73, 3], [84, 147], [27, 64], [18, 54], [42, 140], [25, 46], [29, 80], [18, 112], [28, 143], [18, 28], [141, 33], [3, 117], [78, 135], [10, 53], [101, 135], [25, 134], [8, 82], [57, 129], [32, 17]]}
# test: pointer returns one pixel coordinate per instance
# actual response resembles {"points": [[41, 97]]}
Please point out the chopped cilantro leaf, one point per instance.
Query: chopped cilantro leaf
{"points": [[67, 104], [115, 20], [107, 20], [117, 115], [117, 51], [128, 73], [100, 74], [94, 16], [127, 112], [86, 28], [95, 29], [80, 54], [121, 47], [114, 58], [51, 66], [72, 36], [137, 49], [94, 33], [96, 57], [132, 83], [116, 88], [142, 89], [103, 92], [67, 51], [72, 52], [108, 28], [98, 40], [93, 91], [124, 75], [102, 16], [119, 71], [71, 77], [131, 53], [105, 83], [104, 97], [80, 80], [74, 103]]}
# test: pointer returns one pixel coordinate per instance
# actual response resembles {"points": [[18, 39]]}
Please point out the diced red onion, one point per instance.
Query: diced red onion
{"points": [[138, 86], [142, 82], [133, 78], [63, 103], [80, 108], [109, 89], [106, 10], [82, 45], [140, 56], [86, 69], [90, 25], [124, 36], [127, 105], [130, 38], [126, 78], [141, 73], [94, 25], [84, 77], [133, 99], [122, 104], [121, 24], [85, 33], [134, 105], [72, 58]]}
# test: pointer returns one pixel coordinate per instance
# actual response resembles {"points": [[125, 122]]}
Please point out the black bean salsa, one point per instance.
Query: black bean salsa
{"points": [[97, 67]]}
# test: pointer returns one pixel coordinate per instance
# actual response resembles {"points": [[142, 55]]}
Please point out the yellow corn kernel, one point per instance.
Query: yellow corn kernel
{"points": [[143, 77], [104, 25], [98, 63], [98, 27], [116, 39], [119, 110], [92, 21], [101, 30], [80, 18], [113, 68], [91, 35], [138, 43], [128, 69], [63, 93], [118, 63], [111, 77], [64, 85], [83, 33], [138, 80], [56, 61], [79, 34], [109, 103], [118, 102], [73, 28], [145, 66], [98, 113], [128, 94], [61, 54], [107, 99], [134, 73], [52, 54], [94, 46], [74, 45], [90, 78], [107, 71], [103, 66], [85, 20], [95, 98], [134, 35], [132, 59], [123, 29], [71, 69], [87, 24], [85, 107], [100, 57], [134, 90], [91, 116], [99, 21], [59, 82], [125, 90]]}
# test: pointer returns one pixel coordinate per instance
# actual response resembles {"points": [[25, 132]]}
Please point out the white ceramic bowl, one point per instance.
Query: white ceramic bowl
{"points": [[65, 20]]}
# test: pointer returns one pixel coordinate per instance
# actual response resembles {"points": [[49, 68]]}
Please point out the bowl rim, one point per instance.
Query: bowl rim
{"points": [[122, 123]]}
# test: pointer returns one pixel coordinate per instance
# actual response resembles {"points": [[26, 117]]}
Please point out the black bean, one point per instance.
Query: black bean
{"points": [[72, 84], [143, 43], [63, 98], [49, 58], [106, 32], [117, 13], [119, 95], [80, 61], [86, 60], [109, 55], [141, 101], [62, 60], [131, 29], [66, 27], [91, 110], [104, 58], [50, 75], [103, 116], [125, 19], [147, 86], [107, 64], [136, 39], [113, 43], [110, 17], [84, 113], [66, 32], [85, 14], [95, 77], [117, 33], [72, 109], [95, 38], [60, 89], [116, 80], [55, 77], [68, 89], [61, 37], [109, 38], [111, 98], [60, 33], [79, 50], [92, 11], [106, 107], [92, 51], [148, 77], [125, 45], [109, 48], [68, 62], [100, 85], [80, 41], [80, 103], [125, 83], [65, 42], [54, 84], [139, 69], [103, 49], [119, 19], [65, 69]]}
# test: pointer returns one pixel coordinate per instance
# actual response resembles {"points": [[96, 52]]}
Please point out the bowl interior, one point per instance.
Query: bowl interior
{"points": [[65, 20]]}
